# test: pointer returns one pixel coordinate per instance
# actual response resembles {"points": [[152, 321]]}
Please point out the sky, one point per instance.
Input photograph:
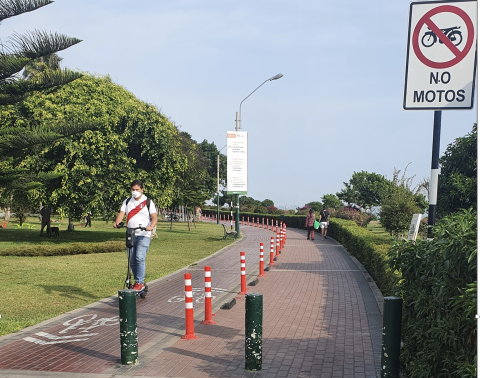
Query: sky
{"points": [[337, 109]]}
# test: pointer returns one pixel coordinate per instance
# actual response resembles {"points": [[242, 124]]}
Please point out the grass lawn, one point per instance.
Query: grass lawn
{"points": [[39, 288], [376, 228]]}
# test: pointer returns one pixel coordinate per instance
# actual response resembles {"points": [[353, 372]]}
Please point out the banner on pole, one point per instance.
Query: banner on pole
{"points": [[237, 162]]}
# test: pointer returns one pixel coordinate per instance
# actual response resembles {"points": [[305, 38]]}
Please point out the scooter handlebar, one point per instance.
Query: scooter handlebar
{"points": [[122, 225]]}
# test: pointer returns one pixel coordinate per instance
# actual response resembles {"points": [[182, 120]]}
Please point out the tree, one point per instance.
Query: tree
{"points": [[331, 201], [211, 153], [399, 203], [95, 167], [267, 203], [457, 182], [315, 205], [364, 189], [24, 49], [20, 51]]}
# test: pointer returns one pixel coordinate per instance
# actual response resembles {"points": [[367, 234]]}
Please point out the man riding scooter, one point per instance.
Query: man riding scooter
{"points": [[141, 212]]}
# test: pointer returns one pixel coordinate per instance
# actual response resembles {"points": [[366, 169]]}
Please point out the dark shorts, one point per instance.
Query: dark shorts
{"points": [[310, 228]]}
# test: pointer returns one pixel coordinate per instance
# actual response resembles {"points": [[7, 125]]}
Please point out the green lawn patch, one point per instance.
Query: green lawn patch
{"points": [[39, 288]]}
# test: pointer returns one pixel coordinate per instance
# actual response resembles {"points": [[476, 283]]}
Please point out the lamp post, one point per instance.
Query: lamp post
{"points": [[218, 184], [237, 128]]}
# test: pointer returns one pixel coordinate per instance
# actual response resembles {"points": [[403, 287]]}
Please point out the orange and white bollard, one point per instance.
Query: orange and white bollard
{"points": [[243, 277], [258, 222], [281, 239], [262, 272], [277, 250], [263, 222], [190, 334], [272, 224], [271, 251], [248, 221], [243, 220], [208, 296]]}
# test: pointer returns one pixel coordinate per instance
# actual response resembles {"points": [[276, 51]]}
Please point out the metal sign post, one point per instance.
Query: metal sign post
{"points": [[440, 67]]}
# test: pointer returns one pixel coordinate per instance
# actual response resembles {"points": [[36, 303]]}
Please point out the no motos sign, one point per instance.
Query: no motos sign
{"points": [[441, 55]]}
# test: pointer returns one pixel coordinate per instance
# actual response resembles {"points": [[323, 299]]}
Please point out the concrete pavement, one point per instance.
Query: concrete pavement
{"points": [[321, 319]]}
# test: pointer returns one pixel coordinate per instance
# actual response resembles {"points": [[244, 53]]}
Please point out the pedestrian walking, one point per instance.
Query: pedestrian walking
{"points": [[324, 222], [309, 224], [88, 220]]}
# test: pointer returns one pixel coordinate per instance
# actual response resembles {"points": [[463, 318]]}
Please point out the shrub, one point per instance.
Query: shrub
{"points": [[438, 288], [64, 250], [361, 218]]}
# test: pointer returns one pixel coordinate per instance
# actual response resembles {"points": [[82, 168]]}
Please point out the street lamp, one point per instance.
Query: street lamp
{"points": [[237, 128], [218, 184]]}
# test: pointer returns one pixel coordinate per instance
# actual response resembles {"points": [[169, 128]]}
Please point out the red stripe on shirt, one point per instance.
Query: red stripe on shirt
{"points": [[136, 210]]}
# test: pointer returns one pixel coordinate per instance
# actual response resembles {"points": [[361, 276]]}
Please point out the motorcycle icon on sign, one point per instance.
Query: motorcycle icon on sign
{"points": [[453, 34]]}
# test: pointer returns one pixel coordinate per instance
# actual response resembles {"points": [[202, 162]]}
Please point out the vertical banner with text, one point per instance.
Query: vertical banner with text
{"points": [[237, 158]]}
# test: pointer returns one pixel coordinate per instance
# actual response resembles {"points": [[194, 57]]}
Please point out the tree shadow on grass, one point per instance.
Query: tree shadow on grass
{"points": [[67, 291]]}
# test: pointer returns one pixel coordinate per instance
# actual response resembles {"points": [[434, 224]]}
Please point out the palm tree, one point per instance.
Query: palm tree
{"points": [[36, 52]]}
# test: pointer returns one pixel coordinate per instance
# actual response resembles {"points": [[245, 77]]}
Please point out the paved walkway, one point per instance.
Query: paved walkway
{"points": [[320, 319]]}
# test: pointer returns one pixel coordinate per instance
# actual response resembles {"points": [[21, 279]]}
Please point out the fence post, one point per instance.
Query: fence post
{"points": [[253, 331], [127, 305], [392, 327]]}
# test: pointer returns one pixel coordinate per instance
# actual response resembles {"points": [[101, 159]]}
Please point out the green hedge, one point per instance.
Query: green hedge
{"points": [[439, 290], [368, 248], [64, 250]]}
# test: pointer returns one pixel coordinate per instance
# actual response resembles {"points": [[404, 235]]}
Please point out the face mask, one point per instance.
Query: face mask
{"points": [[136, 194]]}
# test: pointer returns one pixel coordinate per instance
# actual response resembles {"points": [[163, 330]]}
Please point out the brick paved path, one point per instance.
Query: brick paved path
{"points": [[320, 320]]}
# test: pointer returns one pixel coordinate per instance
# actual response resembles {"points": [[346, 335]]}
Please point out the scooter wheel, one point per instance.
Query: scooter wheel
{"points": [[143, 294]]}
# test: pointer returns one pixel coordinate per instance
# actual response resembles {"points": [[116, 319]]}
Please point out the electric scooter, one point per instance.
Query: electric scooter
{"points": [[130, 242]]}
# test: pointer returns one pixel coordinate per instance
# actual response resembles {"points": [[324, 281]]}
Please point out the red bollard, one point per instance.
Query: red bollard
{"points": [[208, 296], [263, 223], [258, 222], [243, 277], [271, 251], [277, 251], [243, 220], [262, 272], [190, 334]]}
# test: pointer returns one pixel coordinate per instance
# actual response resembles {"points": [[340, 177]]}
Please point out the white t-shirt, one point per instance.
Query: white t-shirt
{"points": [[143, 215]]}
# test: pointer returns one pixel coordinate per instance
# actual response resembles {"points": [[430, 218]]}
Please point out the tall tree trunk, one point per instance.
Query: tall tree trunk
{"points": [[188, 218], [172, 214], [8, 210]]}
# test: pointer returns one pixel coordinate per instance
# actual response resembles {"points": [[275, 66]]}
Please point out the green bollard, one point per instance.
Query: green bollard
{"points": [[127, 305], [253, 331], [391, 337]]}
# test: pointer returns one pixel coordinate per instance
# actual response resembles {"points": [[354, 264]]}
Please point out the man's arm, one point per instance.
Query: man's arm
{"points": [[153, 222], [120, 216]]}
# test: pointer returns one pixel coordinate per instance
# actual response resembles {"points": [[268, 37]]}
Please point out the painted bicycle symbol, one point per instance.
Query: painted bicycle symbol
{"points": [[82, 325], [453, 34]]}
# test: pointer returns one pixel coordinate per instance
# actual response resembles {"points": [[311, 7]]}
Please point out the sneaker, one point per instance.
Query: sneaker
{"points": [[138, 286], [325, 237]]}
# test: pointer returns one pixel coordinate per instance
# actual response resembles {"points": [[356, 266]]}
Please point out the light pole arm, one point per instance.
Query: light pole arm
{"points": [[240, 109]]}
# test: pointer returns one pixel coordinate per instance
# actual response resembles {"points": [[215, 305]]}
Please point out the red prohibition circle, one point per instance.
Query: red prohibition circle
{"points": [[459, 55]]}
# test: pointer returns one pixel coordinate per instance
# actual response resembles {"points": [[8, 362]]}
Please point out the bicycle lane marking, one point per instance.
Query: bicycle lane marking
{"points": [[426, 19], [81, 325]]}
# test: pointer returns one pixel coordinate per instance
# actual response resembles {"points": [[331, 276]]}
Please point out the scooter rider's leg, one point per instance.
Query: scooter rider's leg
{"points": [[142, 245]]}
